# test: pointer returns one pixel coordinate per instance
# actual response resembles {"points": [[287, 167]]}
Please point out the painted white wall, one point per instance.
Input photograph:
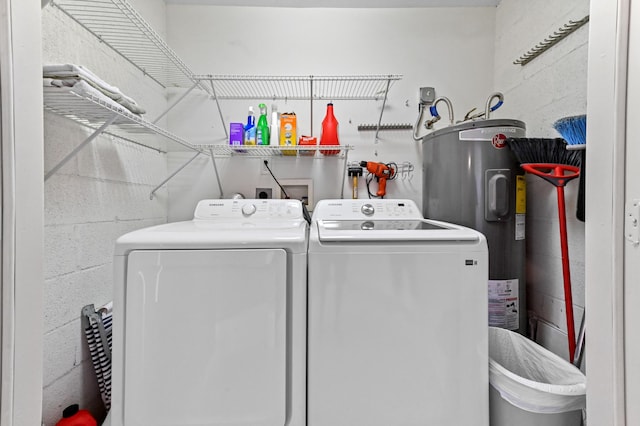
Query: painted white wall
{"points": [[550, 87], [450, 49], [22, 223], [462, 65], [100, 194]]}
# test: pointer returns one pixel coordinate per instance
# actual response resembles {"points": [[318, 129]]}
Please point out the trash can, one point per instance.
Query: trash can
{"points": [[531, 386]]}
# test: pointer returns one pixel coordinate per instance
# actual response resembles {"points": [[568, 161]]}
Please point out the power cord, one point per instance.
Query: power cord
{"points": [[305, 211]]}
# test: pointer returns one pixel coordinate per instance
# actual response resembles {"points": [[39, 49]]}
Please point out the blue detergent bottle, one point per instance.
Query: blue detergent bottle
{"points": [[250, 129]]}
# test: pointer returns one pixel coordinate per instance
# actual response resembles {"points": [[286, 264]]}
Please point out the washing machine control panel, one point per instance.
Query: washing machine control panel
{"points": [[366, 209], [259, 209]]}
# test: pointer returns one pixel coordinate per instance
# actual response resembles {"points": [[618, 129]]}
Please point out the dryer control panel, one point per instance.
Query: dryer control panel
{"points": [[258, 209], [366, 209]]}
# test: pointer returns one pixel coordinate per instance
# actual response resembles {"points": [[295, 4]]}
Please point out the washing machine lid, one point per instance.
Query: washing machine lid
{"points": [[392, 230], [227, 224]]}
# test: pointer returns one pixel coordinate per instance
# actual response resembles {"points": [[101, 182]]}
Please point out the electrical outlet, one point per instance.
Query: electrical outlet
{"points": [[262, 193], [427, 95]]}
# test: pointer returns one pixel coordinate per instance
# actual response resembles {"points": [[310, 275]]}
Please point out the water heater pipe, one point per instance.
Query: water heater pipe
{"points": [[488, 109]]}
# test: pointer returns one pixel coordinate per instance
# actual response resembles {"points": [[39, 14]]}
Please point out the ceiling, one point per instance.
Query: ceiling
{"points": [[343, 3]]}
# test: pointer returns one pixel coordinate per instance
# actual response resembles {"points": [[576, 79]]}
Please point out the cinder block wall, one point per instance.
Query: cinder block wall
{"points": [[103, 192], [552, 86], [100, 194]]}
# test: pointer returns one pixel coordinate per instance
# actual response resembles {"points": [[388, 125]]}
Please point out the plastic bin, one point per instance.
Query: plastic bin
{"points": [[531, 386]]}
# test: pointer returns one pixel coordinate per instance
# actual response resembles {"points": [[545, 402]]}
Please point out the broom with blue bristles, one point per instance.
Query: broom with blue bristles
{"points": [[574, 131]]}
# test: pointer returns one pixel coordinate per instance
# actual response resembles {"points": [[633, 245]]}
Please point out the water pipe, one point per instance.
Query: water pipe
{"points": [[434, 112], [488, 108], [421, 109]]}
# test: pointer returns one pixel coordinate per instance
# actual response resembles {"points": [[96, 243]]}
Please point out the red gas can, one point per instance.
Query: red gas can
{"points": [[74, 416]]}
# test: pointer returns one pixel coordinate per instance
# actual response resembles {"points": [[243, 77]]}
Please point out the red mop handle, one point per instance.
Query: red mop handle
{"points": [[559, 175], [566, 272]]}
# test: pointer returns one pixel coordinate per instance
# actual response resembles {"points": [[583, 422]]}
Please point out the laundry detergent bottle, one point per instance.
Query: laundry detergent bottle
{"points": [[74, 416], [329, 132], [250, 129], [263, 127]]}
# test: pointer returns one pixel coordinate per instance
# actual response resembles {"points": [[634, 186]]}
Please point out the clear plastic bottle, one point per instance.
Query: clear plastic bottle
{"points": [[274, 134], [262, 137], [250, 129]]}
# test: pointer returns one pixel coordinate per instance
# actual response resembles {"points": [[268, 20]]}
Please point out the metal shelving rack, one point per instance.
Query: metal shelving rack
{"points": [[331, 87], [118, 25], [308, 88], [98, 115], [307, 151]]}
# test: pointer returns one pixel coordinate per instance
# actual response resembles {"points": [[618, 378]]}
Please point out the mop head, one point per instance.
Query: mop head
{"points": [[573, 129], [543, 151]]}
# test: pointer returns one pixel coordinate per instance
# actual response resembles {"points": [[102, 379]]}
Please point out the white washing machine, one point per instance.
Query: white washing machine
{"points": [[210, 318], [397, 318]]}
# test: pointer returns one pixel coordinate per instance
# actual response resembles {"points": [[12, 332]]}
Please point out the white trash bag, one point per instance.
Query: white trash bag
{"points": [[532, 378]]}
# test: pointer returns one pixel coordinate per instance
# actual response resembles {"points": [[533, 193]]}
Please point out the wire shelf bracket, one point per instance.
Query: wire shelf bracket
{"points": [[98, 115], [178, 170]]}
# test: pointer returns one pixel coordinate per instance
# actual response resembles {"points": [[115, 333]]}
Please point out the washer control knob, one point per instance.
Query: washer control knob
{"points": [[367, 226], [248, 209], [367, 209]]}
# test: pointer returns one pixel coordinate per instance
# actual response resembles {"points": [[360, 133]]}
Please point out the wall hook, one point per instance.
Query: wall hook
{"points": [[550, 40]]}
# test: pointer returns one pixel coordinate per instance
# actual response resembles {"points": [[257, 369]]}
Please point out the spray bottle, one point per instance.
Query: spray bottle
{"points": [[263, 127], [250, 129]]}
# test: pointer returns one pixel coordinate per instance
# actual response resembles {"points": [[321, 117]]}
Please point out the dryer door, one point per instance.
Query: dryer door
{"points": [[205, 337]]}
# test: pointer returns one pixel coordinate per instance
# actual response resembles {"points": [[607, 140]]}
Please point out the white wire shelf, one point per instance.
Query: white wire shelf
{"points": [[307, 151], [93, 112], [118, 25], [336, 87]]}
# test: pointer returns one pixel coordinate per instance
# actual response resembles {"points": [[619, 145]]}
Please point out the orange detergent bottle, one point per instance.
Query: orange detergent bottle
{"points": [[74, 416], [329, 132]]}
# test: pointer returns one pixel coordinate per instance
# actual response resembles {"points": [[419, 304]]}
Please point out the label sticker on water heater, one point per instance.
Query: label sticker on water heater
{"points": [[521, 194], [520, 226], [503, 304]]}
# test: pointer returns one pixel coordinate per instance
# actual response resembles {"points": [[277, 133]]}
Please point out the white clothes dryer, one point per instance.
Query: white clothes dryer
{"points": [[397, 318], [210, 318]]}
